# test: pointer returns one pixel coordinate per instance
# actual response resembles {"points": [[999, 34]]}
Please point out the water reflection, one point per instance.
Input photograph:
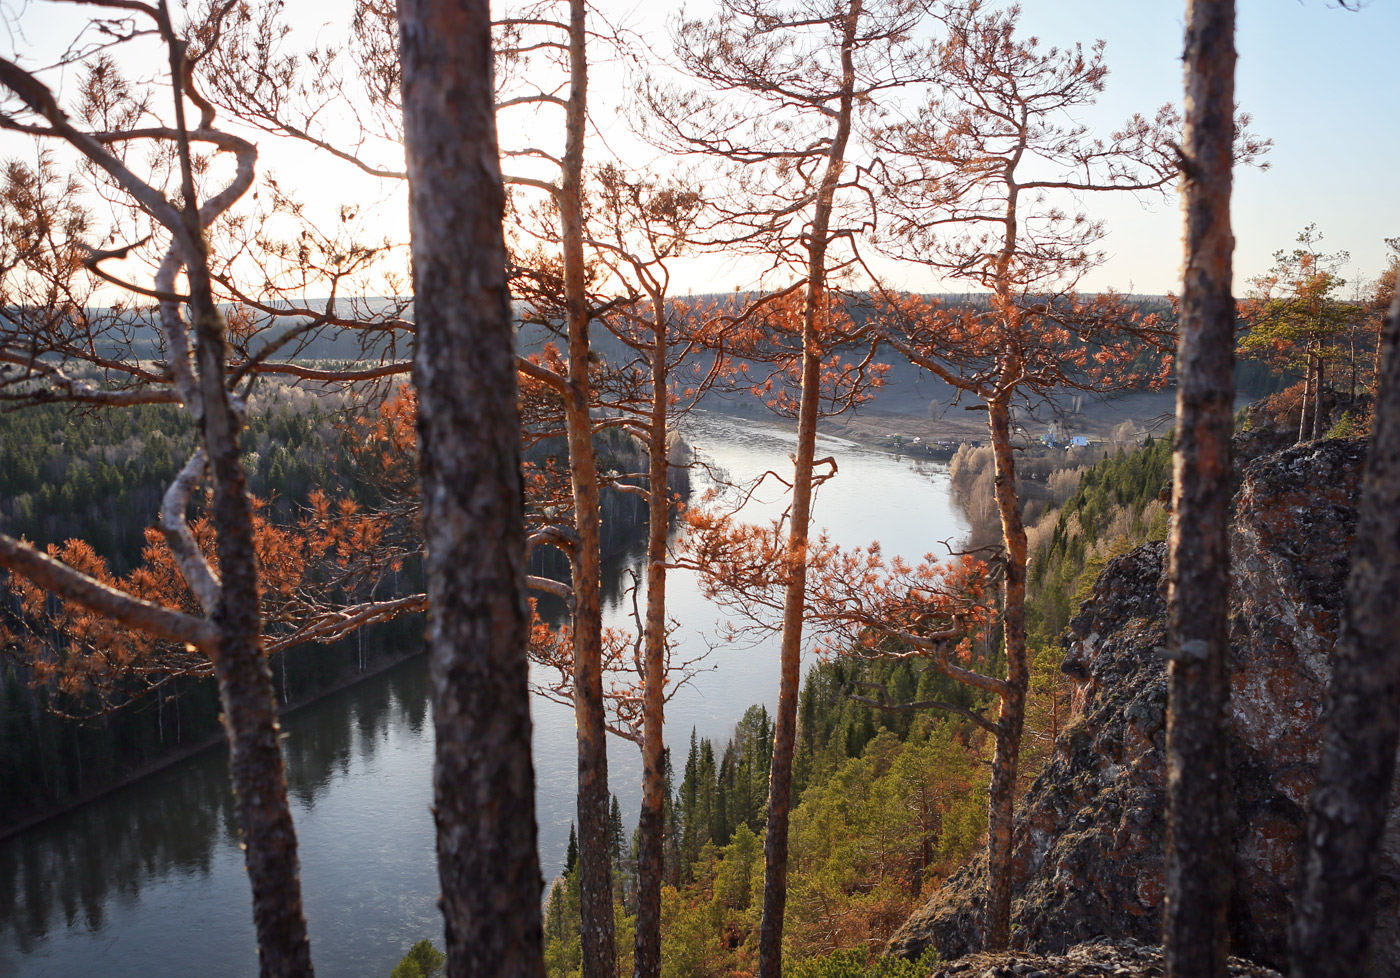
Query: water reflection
{"points": [[60, 873], [149, 880], [83, 876]]}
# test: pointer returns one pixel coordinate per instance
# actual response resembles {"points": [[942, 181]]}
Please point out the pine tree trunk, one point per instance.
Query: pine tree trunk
{"points": [[246, 690], [595, 871], [1011, 722], [775, 846], [469, 440], [650, 827], [1200, 823], [1334, 915], [1318, 430]]}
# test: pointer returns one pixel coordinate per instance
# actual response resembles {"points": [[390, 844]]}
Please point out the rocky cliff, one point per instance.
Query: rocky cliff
{"points": [[1120, 959], [1089, 844]]}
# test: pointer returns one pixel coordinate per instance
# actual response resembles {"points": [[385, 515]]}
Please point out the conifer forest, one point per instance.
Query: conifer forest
{"points": [[901, 499]]}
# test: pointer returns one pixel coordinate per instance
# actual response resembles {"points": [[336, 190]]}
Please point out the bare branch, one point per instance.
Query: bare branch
{"points": [[73, 585]]}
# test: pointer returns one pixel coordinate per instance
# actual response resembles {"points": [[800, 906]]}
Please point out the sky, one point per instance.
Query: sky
{"points": [[1316, 79]]}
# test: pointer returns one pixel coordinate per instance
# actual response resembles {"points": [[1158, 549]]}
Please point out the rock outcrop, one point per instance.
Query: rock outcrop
{"points": [[1089, 845], [1099, 960]]}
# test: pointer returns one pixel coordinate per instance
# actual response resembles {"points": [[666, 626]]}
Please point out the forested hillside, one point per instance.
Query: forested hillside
{"points": [[70, 476], [67, 476], [891, 801], [204, 203], [890, 804]]}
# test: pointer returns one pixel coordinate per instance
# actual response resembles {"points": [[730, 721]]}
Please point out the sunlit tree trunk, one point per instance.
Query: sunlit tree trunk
{"points": [[650, 825], [775, 847], [1318, 430], [473, 527], [595, 869], [1011, 721], [1200, 824], [1334, 915], [1306, 399], [246, 691]]}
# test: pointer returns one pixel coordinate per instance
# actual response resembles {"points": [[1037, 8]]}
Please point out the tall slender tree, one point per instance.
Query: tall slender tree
{"points": [[988, 162], [1294, 316], [566, 36], [1199, 818], [803, 70], [468, 426], [642, 226]]}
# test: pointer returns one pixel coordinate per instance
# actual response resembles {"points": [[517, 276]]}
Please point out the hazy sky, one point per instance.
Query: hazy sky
{"points": [[1319, 81]]}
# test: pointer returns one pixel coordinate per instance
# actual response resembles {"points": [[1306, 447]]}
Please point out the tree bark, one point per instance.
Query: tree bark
{"points": [[1318, 430], [595, 866], [1334, 915], [1307, 399], [1001, 802], [469, 438], [1199, 819], [775, 846], [246, 691], [650, 825]]}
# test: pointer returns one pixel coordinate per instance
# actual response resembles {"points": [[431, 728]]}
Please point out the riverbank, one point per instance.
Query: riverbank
{"points": [[374, 666], [1147, 412], [127, 884]]}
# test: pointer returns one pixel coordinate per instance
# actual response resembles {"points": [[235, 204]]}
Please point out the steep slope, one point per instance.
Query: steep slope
{"points": [[1090, 834]]}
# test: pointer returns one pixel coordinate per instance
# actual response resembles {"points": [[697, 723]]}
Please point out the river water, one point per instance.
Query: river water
{"points": [[148, 880]]}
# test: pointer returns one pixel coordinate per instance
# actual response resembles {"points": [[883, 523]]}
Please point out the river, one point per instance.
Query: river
{"points": [[148, 880]]}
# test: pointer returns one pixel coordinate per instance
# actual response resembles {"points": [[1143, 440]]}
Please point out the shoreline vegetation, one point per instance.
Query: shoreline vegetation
{"points": [[211, 741], [887, 804], [1083, 506], [894, 433]]}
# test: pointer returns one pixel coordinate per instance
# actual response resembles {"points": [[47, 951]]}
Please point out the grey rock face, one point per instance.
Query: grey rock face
{"points": [[1090, 834], [1121, 959]]}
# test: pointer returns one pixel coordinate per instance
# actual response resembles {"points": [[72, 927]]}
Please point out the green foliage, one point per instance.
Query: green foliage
{"points": [[571, 858], [867, 838], [869, 834], [1346, 427], [715, 797], [1114, 508], [1294, 310], [834, 726], [857, 963], [422, 961], [563, 942], [100, 477], [740, 870]]}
